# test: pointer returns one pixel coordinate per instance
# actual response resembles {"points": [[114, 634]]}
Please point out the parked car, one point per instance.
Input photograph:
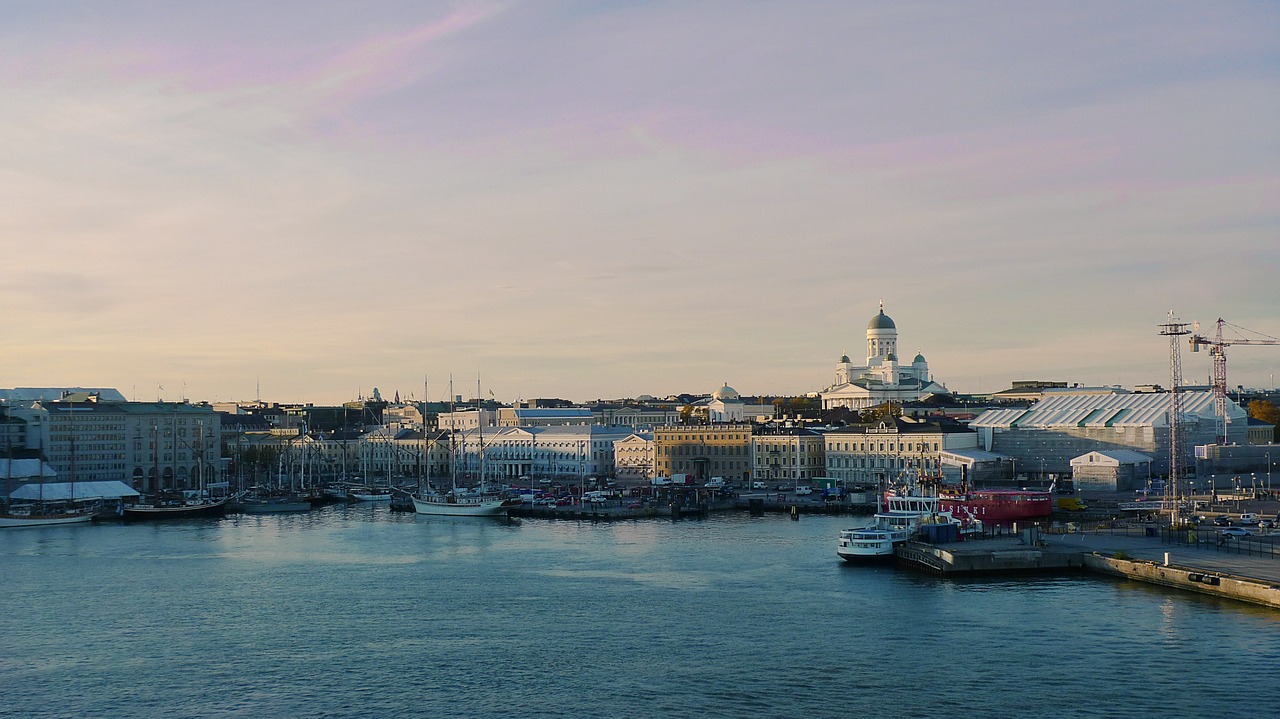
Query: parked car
{"points": [[1267, 524], [1236, 532], [804, 490], [1222, 520], [1248, 518]]}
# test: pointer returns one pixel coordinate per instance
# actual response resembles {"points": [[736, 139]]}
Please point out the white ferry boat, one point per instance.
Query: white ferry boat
{"points": [[907, 510]]}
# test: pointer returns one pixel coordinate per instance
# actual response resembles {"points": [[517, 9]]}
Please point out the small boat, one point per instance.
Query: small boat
{"points": [[174, 509], [876, 541], [275, 505], [28, 515], [459, 506], [908, 509], [369, 494]]}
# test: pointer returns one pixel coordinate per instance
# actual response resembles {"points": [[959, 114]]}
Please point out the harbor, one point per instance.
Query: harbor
{"points": [[1227, 569], [354, 611]]}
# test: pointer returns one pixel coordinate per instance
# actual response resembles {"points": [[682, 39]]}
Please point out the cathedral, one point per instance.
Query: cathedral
{"points": [[882, 379]]}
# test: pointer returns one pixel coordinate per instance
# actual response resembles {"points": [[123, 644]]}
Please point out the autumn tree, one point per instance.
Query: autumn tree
{"points": [[1266, 411]]}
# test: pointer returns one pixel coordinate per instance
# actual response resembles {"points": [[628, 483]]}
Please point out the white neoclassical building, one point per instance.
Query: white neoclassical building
{"points": [[883, 378]]}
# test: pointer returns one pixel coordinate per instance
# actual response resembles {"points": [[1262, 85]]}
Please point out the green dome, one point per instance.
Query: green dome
{"points": [[881, 322], [918, 360]]}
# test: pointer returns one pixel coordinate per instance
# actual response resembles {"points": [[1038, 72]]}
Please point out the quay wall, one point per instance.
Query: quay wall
{"points": [[1195, 580], [941, 560]]}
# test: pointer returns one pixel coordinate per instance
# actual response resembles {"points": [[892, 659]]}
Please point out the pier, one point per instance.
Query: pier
{"points": [[1180, 560]]}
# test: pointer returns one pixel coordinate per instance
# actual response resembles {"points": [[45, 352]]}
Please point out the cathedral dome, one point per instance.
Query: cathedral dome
{"points": [[726, 393], [918, 360], [881, 322], [844, 359], [892, 357]]}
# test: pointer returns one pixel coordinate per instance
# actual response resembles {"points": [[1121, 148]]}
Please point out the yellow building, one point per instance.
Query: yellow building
{"points": [[703, 451]]}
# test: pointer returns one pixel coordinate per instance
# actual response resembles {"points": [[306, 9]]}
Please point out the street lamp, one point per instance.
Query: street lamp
{"points": [[1268, 475]]}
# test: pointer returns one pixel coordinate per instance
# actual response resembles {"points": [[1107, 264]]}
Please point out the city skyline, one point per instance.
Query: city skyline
{"points": [[613, 200]]}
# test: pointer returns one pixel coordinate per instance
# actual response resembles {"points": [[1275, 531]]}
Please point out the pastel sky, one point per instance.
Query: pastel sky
{"points": [[606, 199]]}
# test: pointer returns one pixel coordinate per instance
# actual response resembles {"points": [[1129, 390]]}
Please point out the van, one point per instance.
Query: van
{"points": [[1071, 504], [1248, 518], [757, 485]]}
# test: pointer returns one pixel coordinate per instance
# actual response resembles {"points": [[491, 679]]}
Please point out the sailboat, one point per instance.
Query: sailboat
{"points": [[39, 514], [176, 505], [275, 500], [454, 503]]}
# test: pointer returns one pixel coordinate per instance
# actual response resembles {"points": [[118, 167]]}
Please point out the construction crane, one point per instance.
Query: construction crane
{"points": [[1218, 350]]}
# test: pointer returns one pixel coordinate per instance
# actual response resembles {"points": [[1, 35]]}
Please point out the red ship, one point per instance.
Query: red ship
{"points": [[998, 507], [991, 507]]}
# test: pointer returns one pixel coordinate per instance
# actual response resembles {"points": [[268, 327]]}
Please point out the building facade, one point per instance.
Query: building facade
{"points": [[148, 445], [539, 453], [703, 451], [633, 458], [1043, 439], [787, 454], [882, 452]]}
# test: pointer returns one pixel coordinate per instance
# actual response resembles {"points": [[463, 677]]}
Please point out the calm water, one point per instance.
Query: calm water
{"points": [[358, 612]]}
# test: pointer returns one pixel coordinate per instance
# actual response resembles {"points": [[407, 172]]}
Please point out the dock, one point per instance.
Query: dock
{"points": [[1201, 565]]}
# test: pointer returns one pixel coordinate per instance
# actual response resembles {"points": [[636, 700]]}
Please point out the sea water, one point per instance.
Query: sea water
{"points": [[361, 612]]}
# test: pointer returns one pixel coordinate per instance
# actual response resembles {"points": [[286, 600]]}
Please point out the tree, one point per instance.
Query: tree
{"points": [[1266, 411]]}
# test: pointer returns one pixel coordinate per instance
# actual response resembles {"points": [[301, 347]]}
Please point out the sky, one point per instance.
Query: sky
{"points": [[302, 201]]}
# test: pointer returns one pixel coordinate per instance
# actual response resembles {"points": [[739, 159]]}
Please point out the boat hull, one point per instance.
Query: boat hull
{"points": [[464, 508], [869, 545], [1000, 507], [276, 507], [44, 520], [149, 513]]}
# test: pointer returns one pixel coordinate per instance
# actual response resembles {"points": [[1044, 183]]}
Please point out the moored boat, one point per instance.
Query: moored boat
{"points": [[275, 505], [369, 494], [173, 509], [34, 516], [999, 507], [457, 506]]}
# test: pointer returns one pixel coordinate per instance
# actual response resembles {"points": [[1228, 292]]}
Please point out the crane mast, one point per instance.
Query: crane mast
{"points": [[1174, 329], [1218, 352]]}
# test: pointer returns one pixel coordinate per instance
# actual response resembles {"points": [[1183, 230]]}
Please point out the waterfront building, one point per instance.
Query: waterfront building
{"points": [[977, 467], [148, 445], [1043, 439], [703, 451], [883, 378], [1111, 470], [552, 453], [789, 454], [883, 451], [403, 453], [633, 458]]}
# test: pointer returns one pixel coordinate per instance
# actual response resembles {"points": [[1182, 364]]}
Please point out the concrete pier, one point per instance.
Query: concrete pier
{"points": [[1202, 568]]}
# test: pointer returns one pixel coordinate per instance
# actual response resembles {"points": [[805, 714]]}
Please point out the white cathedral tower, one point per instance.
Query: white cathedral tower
{"points": [[882, 379]]}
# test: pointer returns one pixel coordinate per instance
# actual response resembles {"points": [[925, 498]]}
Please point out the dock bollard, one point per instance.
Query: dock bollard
{"points": [[795, 513]]}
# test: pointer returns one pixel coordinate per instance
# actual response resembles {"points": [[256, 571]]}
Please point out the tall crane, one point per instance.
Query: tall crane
{"points": [[1218, 351]]}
